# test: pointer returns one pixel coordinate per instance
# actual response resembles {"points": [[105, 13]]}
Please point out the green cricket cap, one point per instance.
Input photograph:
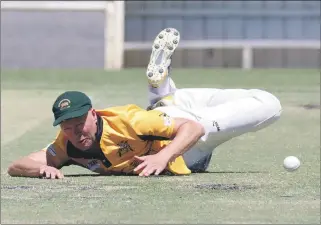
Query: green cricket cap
{"points": [[70, 104]]}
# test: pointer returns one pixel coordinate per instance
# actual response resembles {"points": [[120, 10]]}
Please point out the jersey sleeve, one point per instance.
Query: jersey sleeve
{"points": [[56, 151], [153, 125]]}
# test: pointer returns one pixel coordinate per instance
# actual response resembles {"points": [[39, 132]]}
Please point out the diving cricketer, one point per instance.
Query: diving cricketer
{"points": [[176, 135]]}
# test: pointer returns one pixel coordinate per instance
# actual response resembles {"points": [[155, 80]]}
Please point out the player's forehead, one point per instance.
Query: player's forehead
{"points": [[74, 121]]}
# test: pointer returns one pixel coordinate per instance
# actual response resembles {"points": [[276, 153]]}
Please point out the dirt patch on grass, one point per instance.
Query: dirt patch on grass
{"points": [[225, 187], [77, 188], [311, 106], [17, 187]]}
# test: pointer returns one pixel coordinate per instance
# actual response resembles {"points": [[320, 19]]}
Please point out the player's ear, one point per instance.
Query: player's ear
{"points": [[94, 114]]}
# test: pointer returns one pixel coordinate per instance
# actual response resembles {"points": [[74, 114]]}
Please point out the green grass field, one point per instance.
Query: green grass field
{"points": [[263, 191]]}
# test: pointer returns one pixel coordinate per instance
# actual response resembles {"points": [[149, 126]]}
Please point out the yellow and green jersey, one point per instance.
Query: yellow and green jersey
{"points": [[122, 132]]}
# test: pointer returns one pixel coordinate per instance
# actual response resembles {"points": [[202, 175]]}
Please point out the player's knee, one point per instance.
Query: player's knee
{"points": [[270, 101], [271, 109], [275, 105], [271, 112]]}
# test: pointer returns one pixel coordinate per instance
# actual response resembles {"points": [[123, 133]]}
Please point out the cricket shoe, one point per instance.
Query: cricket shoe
{"points": [[160, 59]]}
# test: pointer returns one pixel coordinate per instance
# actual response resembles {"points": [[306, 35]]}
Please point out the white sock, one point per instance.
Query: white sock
{"points": [[166, 88]]}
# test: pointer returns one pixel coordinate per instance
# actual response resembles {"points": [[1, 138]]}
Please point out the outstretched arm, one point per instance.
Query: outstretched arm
{"points": [[37, 164]]}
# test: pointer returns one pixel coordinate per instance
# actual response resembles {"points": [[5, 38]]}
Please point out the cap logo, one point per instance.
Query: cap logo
{"points": [[63, 104]]}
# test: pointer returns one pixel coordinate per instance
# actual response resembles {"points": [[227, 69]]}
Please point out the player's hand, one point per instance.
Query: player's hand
{"points": [[50, 172], [151, 164]]}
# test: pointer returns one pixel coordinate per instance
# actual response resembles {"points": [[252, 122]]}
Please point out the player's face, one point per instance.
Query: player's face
{"points": [[81, 131]]}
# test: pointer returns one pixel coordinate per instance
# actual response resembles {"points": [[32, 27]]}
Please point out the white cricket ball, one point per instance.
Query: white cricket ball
{"points": [[291, 163]]}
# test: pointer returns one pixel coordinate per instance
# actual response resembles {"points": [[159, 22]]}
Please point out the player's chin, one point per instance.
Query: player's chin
{"points": [[85, 144]]}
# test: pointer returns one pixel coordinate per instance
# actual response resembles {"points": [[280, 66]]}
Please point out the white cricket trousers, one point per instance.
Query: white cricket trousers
{"points": [[224, 113]]}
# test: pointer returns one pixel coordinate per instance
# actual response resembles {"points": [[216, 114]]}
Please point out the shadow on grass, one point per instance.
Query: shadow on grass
{"points": [[196, 172], [97, 175]]}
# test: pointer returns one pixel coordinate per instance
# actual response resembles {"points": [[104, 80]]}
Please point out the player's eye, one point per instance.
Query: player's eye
{"points": [[80, 125], [67, 129]]}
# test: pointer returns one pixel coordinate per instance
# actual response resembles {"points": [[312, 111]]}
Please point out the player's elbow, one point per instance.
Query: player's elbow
{"points": [[11, 169], [16, 168], [196, 128], [188, 127], [201, 129]]}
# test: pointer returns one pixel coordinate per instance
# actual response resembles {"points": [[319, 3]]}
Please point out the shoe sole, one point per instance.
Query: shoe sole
{"points": [[163, 48]]}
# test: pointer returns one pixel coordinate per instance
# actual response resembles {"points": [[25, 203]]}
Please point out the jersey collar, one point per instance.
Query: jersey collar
{"points": [[99, 128]]}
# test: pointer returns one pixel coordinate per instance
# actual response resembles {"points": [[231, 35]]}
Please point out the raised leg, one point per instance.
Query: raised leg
{"points": [[158, 69], [230, 113]]}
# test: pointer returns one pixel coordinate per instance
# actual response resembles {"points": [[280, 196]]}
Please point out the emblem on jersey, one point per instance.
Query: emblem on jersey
{"points": [[63, 104], [134, 164], [124, 147], [93, 164], [215, 124], [167, 119], [163, 115], [51, 150]]}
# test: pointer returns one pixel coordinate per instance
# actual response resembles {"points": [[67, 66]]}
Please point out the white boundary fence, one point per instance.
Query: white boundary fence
{"points": [[115, 44], [246, 46]]}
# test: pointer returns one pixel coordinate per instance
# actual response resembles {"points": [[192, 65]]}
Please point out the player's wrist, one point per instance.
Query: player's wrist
{"points": [[165, 155]]}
